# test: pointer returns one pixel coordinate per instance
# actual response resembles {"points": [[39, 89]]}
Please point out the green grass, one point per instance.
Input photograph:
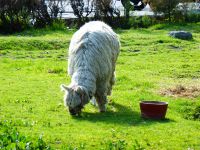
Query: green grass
{"points": [[33, 65]]}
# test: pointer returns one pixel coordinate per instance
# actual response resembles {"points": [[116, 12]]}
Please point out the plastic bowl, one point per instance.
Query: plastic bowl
{"points": [[153, 109]]}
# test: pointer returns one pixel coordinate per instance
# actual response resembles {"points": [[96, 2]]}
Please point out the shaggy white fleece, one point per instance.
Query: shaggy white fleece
{"points": [[93, 52]]}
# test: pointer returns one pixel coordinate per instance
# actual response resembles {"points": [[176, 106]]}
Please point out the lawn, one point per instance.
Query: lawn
{"points": [[151, 66]]}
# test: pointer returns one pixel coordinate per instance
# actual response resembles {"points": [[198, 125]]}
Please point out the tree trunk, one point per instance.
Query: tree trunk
{"points": [[169, 10], [126, 4]]}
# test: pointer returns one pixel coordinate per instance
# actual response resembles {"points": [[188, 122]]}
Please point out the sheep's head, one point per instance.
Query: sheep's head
{"points": [[75, 98]]}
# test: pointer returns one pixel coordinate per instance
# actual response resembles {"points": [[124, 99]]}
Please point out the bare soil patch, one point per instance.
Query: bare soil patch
{"points": [[182, 91]]}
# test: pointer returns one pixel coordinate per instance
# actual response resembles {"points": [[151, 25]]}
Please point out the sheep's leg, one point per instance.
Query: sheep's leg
{"points": [[93, 101], [101, 101], [112, 80], [101, 96], [111, 83]]}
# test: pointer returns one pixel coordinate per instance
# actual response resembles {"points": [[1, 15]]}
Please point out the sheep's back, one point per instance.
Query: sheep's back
{"points": [[94, 47]]}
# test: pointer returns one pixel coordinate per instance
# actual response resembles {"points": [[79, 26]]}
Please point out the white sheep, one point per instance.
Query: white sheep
{"points": [[93, 52]]}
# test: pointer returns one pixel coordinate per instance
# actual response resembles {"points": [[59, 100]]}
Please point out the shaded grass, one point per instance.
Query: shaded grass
{"points": [[33, 65]]}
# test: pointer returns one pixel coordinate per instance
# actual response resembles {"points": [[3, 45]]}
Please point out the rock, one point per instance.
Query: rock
{"points": [[181, 35]]}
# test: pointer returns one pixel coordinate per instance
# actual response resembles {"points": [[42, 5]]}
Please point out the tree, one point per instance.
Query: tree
{"points": [[127, 7], [106, 9], [184, 8], [56, 7], [82, 9], [169, 7], [15, 14], [163, 6]]}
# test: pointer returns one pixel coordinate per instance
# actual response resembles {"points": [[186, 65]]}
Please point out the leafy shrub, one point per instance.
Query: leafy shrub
{"points": [[10, 138], [138, 146], [137, 22], [15, 14], [178, 16], [193, 17], [123, 23], [140, 21], [58, 24], [158, 27], [191, 111], [146, 21]]}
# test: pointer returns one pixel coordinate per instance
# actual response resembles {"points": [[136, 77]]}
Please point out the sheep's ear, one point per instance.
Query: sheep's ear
{"points": [[64, 87]]}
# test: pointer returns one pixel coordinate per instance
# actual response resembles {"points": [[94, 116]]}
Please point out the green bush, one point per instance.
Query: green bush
{"points": [[140, 21], [137, 22], [15, 15], [193, 17], [189, 17], [158, 27], [146, 21], [121, 22], [58, 24], [177, 16], [191, 111]]}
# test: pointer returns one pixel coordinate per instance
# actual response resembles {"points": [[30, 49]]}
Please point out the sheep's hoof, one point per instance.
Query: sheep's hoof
{"points": [[102, 109], [93, 102]]}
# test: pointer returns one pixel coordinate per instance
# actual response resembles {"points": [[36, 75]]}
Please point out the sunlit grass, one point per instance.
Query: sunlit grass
{"points": [[33, 64]]}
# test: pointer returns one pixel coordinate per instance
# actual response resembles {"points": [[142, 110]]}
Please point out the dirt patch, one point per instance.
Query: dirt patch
{"points": [[134, 51], [175, 47], [56, 70], [182, 91]]}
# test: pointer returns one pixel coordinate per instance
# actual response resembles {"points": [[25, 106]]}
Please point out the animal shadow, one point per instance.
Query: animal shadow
{"points": [[119, 114]]}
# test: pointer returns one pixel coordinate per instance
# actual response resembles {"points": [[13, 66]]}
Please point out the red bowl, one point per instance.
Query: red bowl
{"points": [[153, 109]]}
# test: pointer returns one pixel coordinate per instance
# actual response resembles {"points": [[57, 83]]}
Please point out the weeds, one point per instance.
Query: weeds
{"points": [[191, 112], [138, 146], [56, 71], [10, 138]]}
